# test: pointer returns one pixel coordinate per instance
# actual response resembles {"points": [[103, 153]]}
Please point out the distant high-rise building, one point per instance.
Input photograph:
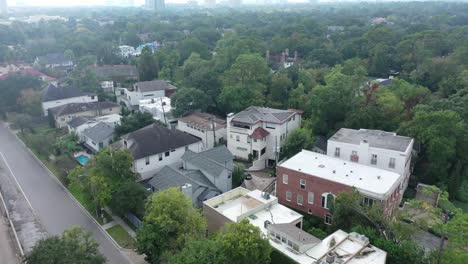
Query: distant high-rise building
{"points": [[155, 4], [3, 7]]}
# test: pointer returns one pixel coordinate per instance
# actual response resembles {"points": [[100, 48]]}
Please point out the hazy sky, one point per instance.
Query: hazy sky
{"points": [[99, 2]]}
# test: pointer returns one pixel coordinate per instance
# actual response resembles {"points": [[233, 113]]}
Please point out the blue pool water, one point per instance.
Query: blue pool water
{"points": [[82, 159]]}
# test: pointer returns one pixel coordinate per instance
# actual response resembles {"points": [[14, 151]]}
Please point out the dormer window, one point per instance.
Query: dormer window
{"points": [[125, 143]]}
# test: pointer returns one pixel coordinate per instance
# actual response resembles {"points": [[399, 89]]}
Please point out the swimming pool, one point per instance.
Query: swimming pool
{"points": [[82, 159]]}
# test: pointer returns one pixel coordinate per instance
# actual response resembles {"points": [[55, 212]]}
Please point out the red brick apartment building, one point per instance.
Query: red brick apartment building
{"points": [[310, 181]]}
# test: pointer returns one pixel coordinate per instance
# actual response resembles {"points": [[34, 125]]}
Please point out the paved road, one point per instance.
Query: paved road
{"points": [[54, 208], [7, 250]]}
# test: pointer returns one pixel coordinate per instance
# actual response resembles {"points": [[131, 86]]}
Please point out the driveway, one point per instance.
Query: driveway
{"points": [[260, 180], [53, 207]]}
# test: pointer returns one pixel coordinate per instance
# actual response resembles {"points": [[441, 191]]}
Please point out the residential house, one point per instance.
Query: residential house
{"points": [[160, 108], [98, 136], [260, 133], [58, 95], [29, 71], [144, 90], [156, 146], [65, 113], [375, 148], [283, 60], [153, 46], [78, 124], [283, 228], [113, 75], [211, 129], [55, 61], [126, 51], [310, 181]]}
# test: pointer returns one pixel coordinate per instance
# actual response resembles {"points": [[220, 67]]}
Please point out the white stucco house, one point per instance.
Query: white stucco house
{"points": [[374, 148], [209, 128], [260, 133], [62, 115], [156, 146], [160, 108], [144, 90], [57, 95]]}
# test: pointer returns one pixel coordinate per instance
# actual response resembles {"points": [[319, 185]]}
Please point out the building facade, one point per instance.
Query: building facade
{"points": [[62, 115], [258, 133], [56, 95], [143, 91], [209, 128], [374, 148], [310, 182]]}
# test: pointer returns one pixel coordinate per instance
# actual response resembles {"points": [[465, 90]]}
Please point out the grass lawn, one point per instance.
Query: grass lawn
{"points": [[462, 205], [121, 236]]}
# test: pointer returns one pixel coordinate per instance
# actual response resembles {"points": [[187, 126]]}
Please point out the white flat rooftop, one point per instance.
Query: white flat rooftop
{"points": [[241, 203], [371, 181], [345, 249]]}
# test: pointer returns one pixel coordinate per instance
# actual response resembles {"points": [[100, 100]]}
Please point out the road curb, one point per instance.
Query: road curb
{"points": [[18, 242], [52, 175]]}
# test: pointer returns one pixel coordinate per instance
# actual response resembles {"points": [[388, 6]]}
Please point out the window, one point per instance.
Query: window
{"points": [[237, 138], [328, 219], [92, 97], [302, 183], [270, 126], [147, 161], [295, 247], [374, 159], [160, 156], [337, 152], [310, 198], [172, 150], [368, 201], [354, 156], [283, 239], [288, 196], [300, 199], [255, 140], [327, 200], [167, 153], [391, 163], [186, 148], [263, 151], [249, 140], [285, 178]]}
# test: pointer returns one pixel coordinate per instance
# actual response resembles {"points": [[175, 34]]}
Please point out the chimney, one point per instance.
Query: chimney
{"points": [[330, 257]]}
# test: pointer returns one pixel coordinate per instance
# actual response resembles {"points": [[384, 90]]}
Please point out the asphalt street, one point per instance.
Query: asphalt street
{"points": [[7, 250], [53, 207]]}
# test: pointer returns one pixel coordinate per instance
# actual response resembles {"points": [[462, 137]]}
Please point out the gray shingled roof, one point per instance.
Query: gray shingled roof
{"points": [[99, 132], [169, 177], [375, 138], [53, 93], [78, 121], [255, 114], [299, 235], [115, 71], [155, 139], [82, 107], [156, 85], [213, 161]]}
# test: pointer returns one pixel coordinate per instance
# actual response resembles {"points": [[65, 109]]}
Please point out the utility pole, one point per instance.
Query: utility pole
{"points": [[164, 112]]}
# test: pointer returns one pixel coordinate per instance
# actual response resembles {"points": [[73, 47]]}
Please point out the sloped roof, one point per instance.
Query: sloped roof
{"points": [[155, 139], [81, 107], [53, 93], [204, 121], [99, 132], [115, 71], [259, 133], [213, 161], [156, 85], [78, 121], [255, 114]]}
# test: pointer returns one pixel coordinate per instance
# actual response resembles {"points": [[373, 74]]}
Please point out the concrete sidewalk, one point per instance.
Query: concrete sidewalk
{"points": [[7, 249]]}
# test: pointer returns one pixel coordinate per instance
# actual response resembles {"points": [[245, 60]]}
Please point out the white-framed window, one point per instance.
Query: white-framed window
{"points": [[327, 200], [167, 153], [160, 156], [288, 196], [147, 160], [285, 179], [302, 183], [310, 197], [255, 140], [328, 219], [373, 160], [300, 199], [391, 163], [237, 138], [368, 201], [337, 152], [249, 140]]}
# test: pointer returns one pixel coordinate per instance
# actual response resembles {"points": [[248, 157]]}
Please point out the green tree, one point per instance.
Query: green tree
{"points": [[298, 98], [206, 251], [147, 65], [101, 191], [130, 197], [73, 246], [133, 122], [189, 99], [279, 89], [115, 165], [170, 222], [238, 174], [297, 140], [243, 243], [66, 145], [21, 121]]}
